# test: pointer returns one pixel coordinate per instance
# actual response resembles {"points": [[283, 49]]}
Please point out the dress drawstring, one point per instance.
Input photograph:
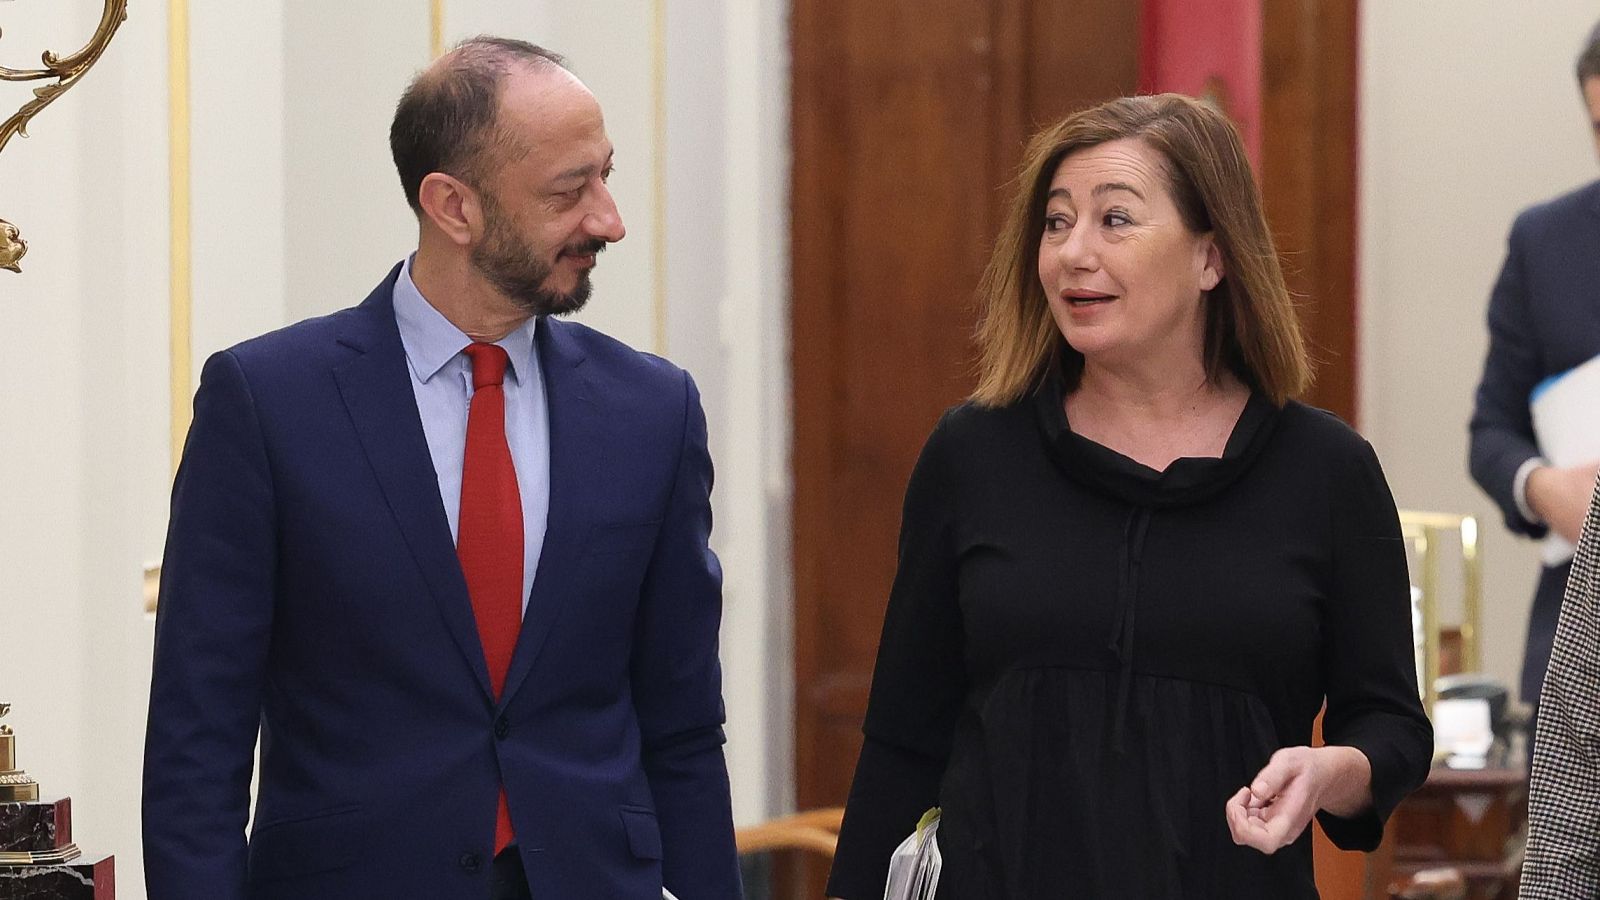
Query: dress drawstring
{"points": [[1128, 559]]}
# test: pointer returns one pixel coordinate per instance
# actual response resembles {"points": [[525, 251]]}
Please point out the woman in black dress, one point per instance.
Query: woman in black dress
{"points": [[1133, 568]]}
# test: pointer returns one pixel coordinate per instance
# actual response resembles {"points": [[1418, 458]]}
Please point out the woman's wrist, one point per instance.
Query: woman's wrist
{"points": [[1347, 783]]}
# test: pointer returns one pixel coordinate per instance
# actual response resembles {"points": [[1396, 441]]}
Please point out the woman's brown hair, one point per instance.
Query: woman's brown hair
{"points": [[1251, 325]]}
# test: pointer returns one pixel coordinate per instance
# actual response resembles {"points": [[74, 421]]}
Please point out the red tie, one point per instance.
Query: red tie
{"points": [[489, 533]]}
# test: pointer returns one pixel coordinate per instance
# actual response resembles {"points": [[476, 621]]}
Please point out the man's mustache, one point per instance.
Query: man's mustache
{"points": [[585, 248]]}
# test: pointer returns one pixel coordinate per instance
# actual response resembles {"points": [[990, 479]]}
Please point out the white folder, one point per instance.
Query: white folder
{"points": [[1566, 423]]}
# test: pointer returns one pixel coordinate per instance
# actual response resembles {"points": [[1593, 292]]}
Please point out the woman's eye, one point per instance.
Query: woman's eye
{"points": [[1116, 220], [1056, 223]]}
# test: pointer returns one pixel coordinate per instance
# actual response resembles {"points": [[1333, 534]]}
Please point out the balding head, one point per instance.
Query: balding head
{"points": [[446, 119]]}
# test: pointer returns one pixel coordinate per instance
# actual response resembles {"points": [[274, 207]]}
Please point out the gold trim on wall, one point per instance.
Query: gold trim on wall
{"points": [[180, 279], [1427, 533], [658, 249], [180, 300], [435, 29]]}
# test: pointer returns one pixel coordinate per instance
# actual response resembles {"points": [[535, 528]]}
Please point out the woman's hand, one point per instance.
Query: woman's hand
{"points": [[1277, 806]]}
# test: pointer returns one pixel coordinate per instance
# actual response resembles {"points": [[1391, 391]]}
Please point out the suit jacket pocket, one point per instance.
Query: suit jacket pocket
{"points": [[321, 842], [644, 835], [629, 539]]}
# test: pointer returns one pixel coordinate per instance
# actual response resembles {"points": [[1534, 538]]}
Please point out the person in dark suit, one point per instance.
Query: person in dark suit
{"points": [[1544, 319], [448, 556]]}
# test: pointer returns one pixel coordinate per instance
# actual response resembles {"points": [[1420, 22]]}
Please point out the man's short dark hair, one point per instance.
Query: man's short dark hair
{"points": [[445, 121], [1589, 59]]}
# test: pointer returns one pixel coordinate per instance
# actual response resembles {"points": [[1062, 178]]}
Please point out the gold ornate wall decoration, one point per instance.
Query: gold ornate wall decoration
{"points": [[66, 71]]}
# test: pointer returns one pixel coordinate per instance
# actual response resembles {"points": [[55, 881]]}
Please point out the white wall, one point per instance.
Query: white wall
{"points": [[42, 616], [238, 143], [296, 212], [727, 167], [1469, 112], [83, 434], [340, 72]]}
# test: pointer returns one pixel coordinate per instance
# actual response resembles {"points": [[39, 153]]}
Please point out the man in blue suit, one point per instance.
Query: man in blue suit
{"points": [[1544, 319], [448, 556]]}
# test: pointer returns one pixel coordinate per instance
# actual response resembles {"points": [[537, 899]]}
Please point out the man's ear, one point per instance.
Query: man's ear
{"points": [[451, 206], [1212, 271]]}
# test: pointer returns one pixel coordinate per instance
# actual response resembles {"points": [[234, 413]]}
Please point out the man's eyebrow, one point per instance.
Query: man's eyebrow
{"points": [[584, 171]]}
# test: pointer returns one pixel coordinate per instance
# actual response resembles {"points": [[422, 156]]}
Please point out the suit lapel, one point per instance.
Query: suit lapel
{"points": [[376, 388], [575, 443]]}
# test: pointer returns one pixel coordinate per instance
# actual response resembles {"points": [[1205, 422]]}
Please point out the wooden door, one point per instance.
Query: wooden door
{"points": [[908, 123], [1308, 177]]}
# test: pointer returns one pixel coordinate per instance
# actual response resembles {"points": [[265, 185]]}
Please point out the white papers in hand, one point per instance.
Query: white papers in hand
{"points": [[914, 866], [1567, 427]]}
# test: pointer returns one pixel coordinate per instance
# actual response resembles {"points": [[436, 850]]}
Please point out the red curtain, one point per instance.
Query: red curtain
{"points": [[1207, 48]]}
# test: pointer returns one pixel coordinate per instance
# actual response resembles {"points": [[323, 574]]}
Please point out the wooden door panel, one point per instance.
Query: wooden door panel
{"points": [[891, 162], [1308, 177], [908, 118]]}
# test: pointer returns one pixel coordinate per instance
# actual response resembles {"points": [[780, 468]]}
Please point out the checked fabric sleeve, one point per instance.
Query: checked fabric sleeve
{"points": [[1563, 858]]}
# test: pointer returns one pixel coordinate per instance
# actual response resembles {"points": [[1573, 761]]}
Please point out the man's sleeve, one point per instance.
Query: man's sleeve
{"points": [[677, 681], [1502, 425], [1563, 858], [212, 630]]}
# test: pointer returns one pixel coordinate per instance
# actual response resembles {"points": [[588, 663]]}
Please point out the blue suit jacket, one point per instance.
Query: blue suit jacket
{"points": [[1544, 318], [311, 591]]}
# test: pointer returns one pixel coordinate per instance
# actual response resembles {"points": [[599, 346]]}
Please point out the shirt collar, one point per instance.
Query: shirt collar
{"points": [[431, 341]]}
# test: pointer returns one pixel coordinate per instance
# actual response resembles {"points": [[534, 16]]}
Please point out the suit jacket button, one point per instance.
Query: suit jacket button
{"points": [[502, 727], [471, 863]]}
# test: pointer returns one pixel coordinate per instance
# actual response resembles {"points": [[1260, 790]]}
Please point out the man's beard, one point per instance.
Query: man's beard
{"points": [[516, 270]]}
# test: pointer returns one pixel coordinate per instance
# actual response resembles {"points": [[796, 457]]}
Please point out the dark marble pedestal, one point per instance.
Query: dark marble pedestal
{"points": [[37, 833], [70, 881], [39, 861]]}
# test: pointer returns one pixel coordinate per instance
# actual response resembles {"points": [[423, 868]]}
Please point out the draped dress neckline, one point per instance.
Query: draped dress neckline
{"points": [[1187, 480]]}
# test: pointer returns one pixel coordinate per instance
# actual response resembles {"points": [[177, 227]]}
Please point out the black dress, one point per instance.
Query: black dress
{"points": [[1083, 659]]}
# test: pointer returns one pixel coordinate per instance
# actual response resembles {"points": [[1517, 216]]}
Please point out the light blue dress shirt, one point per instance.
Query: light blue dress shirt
{"points": [[441, 379]]}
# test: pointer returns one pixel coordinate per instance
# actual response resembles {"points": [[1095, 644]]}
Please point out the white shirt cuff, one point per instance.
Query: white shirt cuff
{"points": [[1519, 488]]}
